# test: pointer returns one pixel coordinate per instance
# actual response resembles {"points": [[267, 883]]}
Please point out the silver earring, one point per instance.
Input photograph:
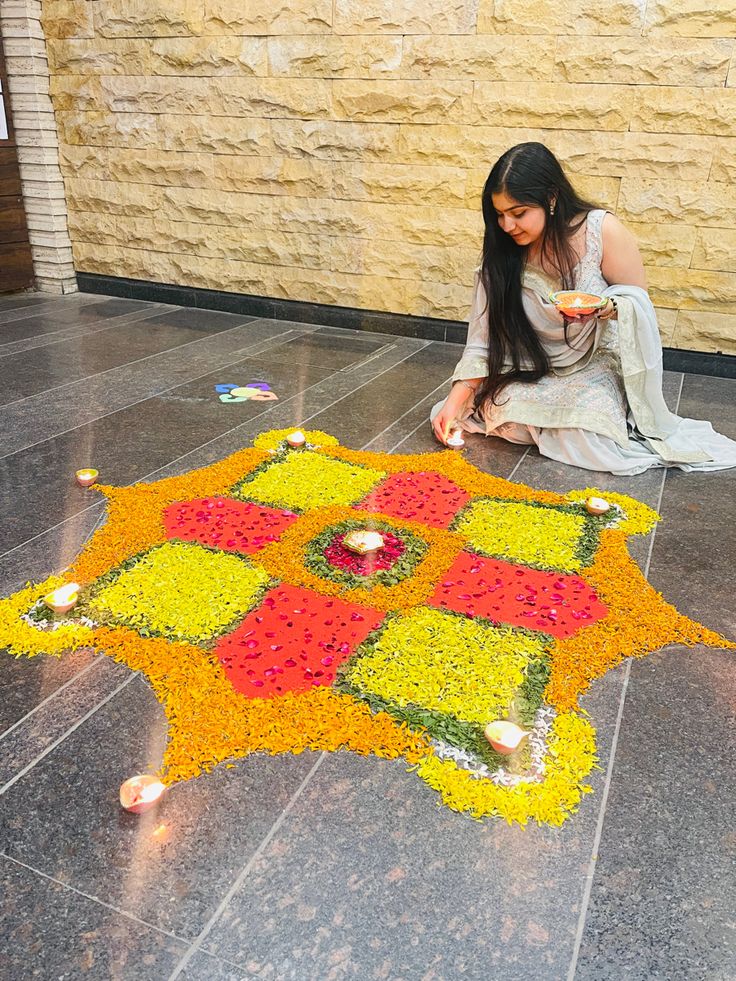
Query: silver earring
{"points": [[551, 210]]}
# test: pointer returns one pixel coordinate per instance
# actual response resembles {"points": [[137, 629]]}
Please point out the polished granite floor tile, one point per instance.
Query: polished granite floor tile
{"points": [[50, 931], [322, 348], [169, 867], [35, 734], [49, 413], [26, 683], [126, 446], [664, 894], [31, 372]]}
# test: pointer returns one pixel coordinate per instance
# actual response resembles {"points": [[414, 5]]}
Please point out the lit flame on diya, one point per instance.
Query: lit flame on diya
{"points": [[63, 598], [504, 737], [140, 793], [87, 477]]}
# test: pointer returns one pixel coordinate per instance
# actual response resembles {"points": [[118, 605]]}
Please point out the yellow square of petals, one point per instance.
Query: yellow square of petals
{"points": [[307, 480], [518, 532], [447, 663], [182, 591]]}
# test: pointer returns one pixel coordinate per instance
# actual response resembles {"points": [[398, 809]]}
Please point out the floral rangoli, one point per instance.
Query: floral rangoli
{"points": [[233, 591]]}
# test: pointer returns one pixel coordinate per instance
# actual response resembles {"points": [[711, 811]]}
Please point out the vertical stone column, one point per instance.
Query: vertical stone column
{"points": [[38, 145]]}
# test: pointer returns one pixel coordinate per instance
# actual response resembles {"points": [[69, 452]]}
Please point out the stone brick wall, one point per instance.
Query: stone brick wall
{"points": [[334, 150], [38, 146]]}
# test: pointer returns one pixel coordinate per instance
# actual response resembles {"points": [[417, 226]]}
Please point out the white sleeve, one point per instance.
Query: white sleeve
{"points": [[474, 362]]}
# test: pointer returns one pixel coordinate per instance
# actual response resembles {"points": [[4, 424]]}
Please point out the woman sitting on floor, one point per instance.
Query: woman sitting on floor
{"points": [[588, 390]]}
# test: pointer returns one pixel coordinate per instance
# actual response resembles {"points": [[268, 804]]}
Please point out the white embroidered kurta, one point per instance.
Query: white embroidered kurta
{"points": [[601, 405]]}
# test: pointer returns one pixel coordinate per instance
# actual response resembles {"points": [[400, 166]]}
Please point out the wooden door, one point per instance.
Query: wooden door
{"points": [[16, 263]]}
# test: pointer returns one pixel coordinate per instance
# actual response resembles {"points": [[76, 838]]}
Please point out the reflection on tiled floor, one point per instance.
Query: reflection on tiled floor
{"points": [[334, 867]]}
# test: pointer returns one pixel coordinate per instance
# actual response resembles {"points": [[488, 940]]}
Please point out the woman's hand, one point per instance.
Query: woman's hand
{"points": [[448, 414]]}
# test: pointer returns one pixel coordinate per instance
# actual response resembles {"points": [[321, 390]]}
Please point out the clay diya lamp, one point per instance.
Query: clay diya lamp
{"points": [[597, 506], [572, 303], [86, 477], [63, 599], [140, 793], [296, 439], [455, 439], [505, 737]]}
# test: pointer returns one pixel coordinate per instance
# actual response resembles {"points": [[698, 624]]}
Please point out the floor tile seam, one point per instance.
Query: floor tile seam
{"points": [[72, 332], [408, 412], [47, 306], [49, 698], [65, 735], [593, 863], [590, 875], [46, 531], [148, 357], [94, 899], [129, 405], [196, 944]]}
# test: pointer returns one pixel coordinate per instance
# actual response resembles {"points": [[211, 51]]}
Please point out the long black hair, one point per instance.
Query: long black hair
{"points": [[530, 174]]}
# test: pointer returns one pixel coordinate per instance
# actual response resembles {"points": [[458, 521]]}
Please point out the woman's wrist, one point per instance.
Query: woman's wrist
{"points": [[610, 311]]}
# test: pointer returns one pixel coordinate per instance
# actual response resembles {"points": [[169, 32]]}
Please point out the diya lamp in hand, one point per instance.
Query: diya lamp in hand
{"points": [[455, 439], [140, 793], [505, 737]]}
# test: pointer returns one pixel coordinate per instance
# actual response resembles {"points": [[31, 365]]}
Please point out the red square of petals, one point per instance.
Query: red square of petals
{"points": [[221, 522], [504, 593], [294, 641], [430, 498]]}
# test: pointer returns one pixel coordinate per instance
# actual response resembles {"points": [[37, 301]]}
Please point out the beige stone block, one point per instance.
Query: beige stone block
{"points": [[692, 203], [165, 167], [254, 17], [399, 101], [328, 56], [478, 57], [413, 223], [715, 249], [217, 134], [552, 105], [23, 47], [664, 245], [99, 56], [731, 80], [460, 146], [694, 289], [724, 161], [124, 129], [646, 61], [148, 18], [67, 18], [110, 198], [75, 92], [274, 175], [22, 27], [218, 207], [691, 18], [329, 140], [601, 191], [645, 156], [405, 16], [402, 260], [392, 183], [705, 331], [666, 320], [709, 111], [209, 56], [214, 241], [549, 17]]}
